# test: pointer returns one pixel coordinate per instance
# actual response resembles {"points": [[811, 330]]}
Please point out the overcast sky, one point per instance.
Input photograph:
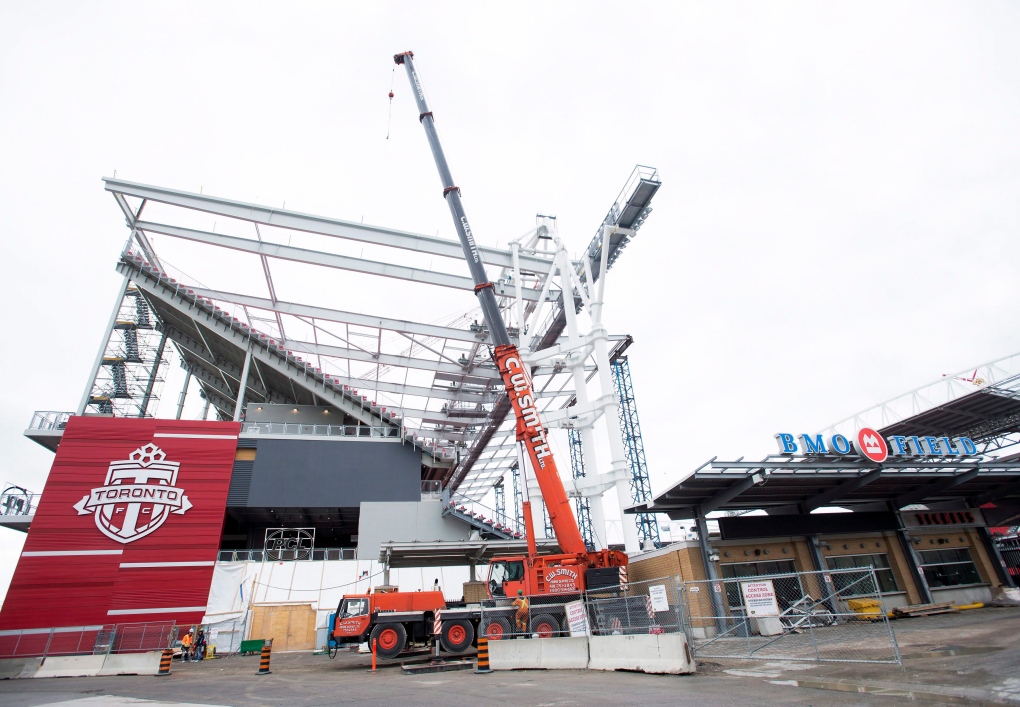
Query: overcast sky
{"points": [[836, 223]]}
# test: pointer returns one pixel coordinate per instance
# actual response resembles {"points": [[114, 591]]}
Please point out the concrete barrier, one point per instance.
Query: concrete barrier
{"points": [[11, 668], [131, 664], [657, 653], [70, 666], [539, 653]]}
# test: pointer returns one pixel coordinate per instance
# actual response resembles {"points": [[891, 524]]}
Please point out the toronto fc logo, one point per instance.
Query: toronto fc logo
{"points": [[138, 497]]}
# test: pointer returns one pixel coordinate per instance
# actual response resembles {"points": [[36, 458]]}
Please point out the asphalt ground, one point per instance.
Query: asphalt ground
{"points": [[967, 658]]}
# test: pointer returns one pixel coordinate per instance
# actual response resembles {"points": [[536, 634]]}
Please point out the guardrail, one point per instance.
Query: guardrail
{"points": [[337, 553], [87, 640], [49, 420], [297, 428], [15, 501]]}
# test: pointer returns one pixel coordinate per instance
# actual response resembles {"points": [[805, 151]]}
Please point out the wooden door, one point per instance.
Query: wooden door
{"points": [[291, 626]]}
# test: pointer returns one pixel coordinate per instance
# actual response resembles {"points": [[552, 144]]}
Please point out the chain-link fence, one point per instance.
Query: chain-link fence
{"points": [[653, 606], [87, 640], [536, 617], [836, 616]]}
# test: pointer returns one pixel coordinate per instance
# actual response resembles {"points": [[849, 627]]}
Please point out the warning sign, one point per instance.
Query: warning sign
{"points": [[760, 598], [660, 601], [577, 619]]}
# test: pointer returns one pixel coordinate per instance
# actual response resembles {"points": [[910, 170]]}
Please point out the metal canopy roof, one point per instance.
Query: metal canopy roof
{"points": [[982, 403], [788, 486]]}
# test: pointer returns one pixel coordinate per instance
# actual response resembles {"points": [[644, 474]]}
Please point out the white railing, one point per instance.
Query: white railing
{"points": [[337, 553], [49, 420], [297, 428]]}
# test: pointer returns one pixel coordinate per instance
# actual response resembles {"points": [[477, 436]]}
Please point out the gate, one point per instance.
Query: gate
{"points": [[833, 616], [1009, 550]]}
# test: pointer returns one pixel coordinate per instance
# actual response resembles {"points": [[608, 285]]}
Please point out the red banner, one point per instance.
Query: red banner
{"points": [[128, 525]]}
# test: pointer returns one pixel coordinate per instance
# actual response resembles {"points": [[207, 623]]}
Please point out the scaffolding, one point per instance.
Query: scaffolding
{"points": [[500, 503], [518, 497], [640, 487], [581, 504], [129, 377]]}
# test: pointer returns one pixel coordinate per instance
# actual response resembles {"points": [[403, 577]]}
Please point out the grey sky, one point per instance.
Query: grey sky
{"points": [[836, 222]]}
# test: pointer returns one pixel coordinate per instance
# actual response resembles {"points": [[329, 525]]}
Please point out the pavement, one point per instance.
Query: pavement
{"points": [[967, 658]]}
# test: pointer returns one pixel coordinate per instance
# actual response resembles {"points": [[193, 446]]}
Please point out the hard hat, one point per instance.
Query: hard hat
{"points": [[521, 592], [191, 630]]}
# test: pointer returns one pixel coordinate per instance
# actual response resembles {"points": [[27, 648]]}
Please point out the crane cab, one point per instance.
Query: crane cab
{"points": [[506, 576]]}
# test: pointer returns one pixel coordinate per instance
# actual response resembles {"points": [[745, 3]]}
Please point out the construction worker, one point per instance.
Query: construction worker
{"points": [[199, 646], [186, 645], [521, 617]]}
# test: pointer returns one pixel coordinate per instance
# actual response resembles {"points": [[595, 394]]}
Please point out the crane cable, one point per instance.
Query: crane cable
{"points": [[389, 120]]}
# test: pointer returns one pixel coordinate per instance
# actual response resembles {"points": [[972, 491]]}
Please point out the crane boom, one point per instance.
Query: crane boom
{"points": [[516, 375]]}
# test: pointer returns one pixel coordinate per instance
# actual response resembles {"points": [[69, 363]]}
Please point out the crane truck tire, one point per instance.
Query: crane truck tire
{"points": [[545, 626], [496, 629], [457, 635], [390, 640]]}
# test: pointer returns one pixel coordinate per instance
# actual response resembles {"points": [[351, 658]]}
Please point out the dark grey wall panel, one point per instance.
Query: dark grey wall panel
{"points": [[240, 484], [332, 474]]}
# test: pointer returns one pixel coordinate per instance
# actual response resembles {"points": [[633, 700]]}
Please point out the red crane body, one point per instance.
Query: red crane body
{"points": [[534, 574]]}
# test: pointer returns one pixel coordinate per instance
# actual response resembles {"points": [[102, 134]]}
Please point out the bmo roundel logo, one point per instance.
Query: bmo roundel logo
{"points": [[871, 445]]}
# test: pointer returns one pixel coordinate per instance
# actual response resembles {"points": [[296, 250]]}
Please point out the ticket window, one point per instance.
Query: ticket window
{"points": [[857, 584], [952, 567]]}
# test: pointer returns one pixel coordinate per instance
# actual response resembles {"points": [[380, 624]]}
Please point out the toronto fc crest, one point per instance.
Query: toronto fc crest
{"points": [[138, 497]]}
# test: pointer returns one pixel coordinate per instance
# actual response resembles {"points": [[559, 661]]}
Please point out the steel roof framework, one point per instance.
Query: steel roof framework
{"points": [[434, 381]]}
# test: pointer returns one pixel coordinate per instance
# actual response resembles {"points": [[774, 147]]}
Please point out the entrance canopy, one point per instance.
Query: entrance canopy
{"points": [[781, 485]]}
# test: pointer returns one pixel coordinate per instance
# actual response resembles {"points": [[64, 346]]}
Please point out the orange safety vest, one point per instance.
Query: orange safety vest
{"points": [[186, 641]]}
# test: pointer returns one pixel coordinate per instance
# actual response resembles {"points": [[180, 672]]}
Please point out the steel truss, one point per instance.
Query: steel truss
{"points": [[640, 486], [128, 374], [581, 504]]}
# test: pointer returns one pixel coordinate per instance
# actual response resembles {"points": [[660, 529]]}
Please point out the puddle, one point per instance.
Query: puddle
{"points": [[908, 693], [951, 652]]}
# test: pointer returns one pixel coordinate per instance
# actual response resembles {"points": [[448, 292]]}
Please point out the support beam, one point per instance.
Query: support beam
{"points": [[711, 573], [239, 410], [328, 260], [335, 315], [727, 495], [913, 559], [349, 230], [399, 360], [194, 349], [996, 494], [184, 393], [837, 492], [151, 383], [919, 494]]}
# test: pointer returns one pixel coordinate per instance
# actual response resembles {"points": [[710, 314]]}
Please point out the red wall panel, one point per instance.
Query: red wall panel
{"points": [[127, 501]]}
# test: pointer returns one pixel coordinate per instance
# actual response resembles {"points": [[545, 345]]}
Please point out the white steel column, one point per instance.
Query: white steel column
{"points": [[576, 364], [243, 385], [121, 292], [620, 471], [184, 393]]}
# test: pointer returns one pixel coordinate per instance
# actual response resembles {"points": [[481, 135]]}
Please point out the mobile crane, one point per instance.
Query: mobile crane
{"points": [[543, 578]]}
